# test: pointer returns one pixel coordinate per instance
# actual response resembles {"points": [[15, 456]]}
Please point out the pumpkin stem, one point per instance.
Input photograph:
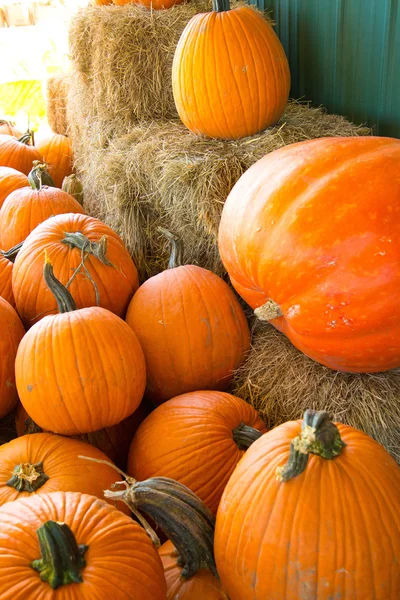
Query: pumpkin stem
{"points": [[28, 477], [318, 436], [221, 5], [72, 185], [38, 177], [268, 311], [176, 257], [62, 558], [244, 436], [26, 138], [65, 301], [11, 254]]}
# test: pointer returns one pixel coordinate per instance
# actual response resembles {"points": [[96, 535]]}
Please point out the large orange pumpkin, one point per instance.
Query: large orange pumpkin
{"points": [[197, 439], [68, 239], [11, 333], [6, 267], [57, 154], [324, 525], [310, 237], [18, 153], [80, 370], [191, 327], [71, 546], [8, 128], [230, 74], [10, 180]]}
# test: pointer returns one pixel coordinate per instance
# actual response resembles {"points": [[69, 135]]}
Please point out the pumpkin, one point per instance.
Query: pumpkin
{"points": [[312, 510], [72, 185], [12, 332], [86, 255], [152, 4], [197, 439], [17, 153], [73, 546], [6, 267], [8, 128], [57, 154], [39, 463], [230, 74], [81, 370], [10, 180], [26, 207], [191, 327], [310, 237]]}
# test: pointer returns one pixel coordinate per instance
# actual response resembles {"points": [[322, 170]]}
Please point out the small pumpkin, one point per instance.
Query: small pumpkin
{"points": [[73, 546], [18, 153], [191, 327], [6, 266], [197, 439], [12, 332], [57, 154], [26, 207], [10, 180], [312, 506], [8, 128], [89, 373]]}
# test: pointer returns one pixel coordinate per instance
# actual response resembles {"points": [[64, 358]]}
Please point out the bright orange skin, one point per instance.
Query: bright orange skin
{"points": [[192, 329], [6, 267], [331, 532], [316, 227], [230, 74], [25, 208], [189, 439], [80, 371], [8, 129], [116, 284], [66, 472], [121, 562], [57, 153], [10, 180], [11, 333], [202, 586], [17, 155]]}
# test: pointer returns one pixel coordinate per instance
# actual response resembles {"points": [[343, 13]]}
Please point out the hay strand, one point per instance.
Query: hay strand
{"points": [[57, 91]]}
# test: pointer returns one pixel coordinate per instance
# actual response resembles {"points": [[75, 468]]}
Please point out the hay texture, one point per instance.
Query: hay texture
{"points": [[281, 383], [57, 93]]}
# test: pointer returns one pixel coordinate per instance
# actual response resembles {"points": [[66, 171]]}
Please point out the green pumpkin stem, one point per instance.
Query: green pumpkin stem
{"points": [[244, 436], [26, 138], [62, 559], [28, 477], [39, 176], [221, 5], [11, 254], [72, 185], [65, 301], [318, 436], [176, 256]]}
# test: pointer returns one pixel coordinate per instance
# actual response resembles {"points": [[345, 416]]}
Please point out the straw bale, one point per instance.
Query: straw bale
{"points": [[57, 91]]}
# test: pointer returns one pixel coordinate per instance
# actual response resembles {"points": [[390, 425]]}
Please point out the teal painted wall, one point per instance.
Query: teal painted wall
{"points": [[344, 54]]}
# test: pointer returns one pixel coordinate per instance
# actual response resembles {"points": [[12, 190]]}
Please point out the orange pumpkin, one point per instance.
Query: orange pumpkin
{"points": [[17, 153], [12, 332], [80, 370], [8, 128], [57, 154], [106, 276], [230, 74], [26, 207], [10, 180], [191, 327], [197, 439], [6, 267], [310, 237], [312, 510], [73, 546]]}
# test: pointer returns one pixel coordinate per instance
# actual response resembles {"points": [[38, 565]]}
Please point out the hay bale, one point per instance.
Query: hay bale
{"points": [[159, 173], [281, 382], [57, 92]]}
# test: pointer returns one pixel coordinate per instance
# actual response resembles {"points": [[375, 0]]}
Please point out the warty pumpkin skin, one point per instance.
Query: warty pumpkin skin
{"points": [[10, 180], [230, 74], [17, 153], [65, 237], [11, 334], [310, 237], [331, 531], [57, 154], [6, 267], [197, 439], [120, 561]]}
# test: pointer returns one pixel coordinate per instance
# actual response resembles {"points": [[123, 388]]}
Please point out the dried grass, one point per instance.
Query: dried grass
{"points": [[57, 92]]}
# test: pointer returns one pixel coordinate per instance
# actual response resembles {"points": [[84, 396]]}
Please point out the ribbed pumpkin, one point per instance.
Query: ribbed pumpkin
{"points": [[18, 153], [57, 154], [68, 238], [10, 180], [80, 370], [39, 463], [197, 439], [310, 237], [8, 128], [71, 546], [230, 74], [311, 511], [11, 333], [26, 207], [191, 327], [6, 267]]}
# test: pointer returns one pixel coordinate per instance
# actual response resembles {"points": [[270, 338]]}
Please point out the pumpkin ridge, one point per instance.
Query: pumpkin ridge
{"points": [[218, 34]]}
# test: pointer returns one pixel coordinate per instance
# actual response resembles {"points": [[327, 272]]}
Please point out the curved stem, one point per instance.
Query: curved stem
{"points": [[244, 436], [11, 254], [318, 436], [176, 257], [62, 559], [268, 311], [26, 138], [221, 5], [28, 477], [65, 301], [72, 185], [39, 176]]}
